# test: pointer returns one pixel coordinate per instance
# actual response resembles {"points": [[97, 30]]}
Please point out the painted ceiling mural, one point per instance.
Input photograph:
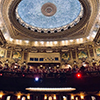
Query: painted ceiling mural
{"points": [[66, 12]]}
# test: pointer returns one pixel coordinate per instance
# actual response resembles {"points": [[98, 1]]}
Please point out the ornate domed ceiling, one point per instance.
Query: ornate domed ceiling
{"points": [[49, 14], [63, 21]]}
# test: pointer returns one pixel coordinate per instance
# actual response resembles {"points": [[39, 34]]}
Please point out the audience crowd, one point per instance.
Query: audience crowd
{"points": [[28, 70]]}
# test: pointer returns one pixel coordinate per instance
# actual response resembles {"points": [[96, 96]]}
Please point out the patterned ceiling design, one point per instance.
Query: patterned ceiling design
{"points": [[67, 11]]}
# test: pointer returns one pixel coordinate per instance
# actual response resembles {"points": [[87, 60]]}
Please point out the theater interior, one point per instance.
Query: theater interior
{"points": [[49, 49]]}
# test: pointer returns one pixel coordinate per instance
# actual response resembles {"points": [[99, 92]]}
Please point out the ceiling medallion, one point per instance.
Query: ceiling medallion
{"points": [[48, 9]]}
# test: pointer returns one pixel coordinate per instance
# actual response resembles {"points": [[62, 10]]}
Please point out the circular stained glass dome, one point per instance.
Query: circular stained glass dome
{"points": [[49, 14]]}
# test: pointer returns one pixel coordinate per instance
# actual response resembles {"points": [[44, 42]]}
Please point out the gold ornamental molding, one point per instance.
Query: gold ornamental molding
{"points": [[17, 31]]}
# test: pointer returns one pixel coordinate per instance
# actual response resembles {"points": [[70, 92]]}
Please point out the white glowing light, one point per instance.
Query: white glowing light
{"points": [[81, 39], [66, 41], [51, 89], [93, 35], [36, 42], [88, 37], [42, 42], [63, 41], [77, 40], [50, 42], [27, 41], [55, 42], [36, 79], [17, 40], [11, 39], [82, 97], [71, 40], [41, 66], [47, 42]]}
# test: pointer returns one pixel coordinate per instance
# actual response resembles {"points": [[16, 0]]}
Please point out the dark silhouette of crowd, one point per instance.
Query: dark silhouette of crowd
{"points": [[31, 71]]}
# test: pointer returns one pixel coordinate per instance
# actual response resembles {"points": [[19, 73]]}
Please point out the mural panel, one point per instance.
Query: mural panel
{"points": [[82, 54], [65, 56], [16, 55]]}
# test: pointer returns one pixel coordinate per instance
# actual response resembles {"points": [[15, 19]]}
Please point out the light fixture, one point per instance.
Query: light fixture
{"points": [[81, 39], [66, 41], [55, 42], [36, 79], [78, 75], [71, 40], [57, 66], [27, 41], [82, 96], [72, 97], [28, 96], [76, 98], [16, 40], [36, 42], [54, 97], [11, 39], [1, 94], [51, 89], [77, 40], [50, 42], [42, 42], [47, 42], [41, 66], [88, 37], [45, 97], [8, 97], [19, 96], [63, 41]]}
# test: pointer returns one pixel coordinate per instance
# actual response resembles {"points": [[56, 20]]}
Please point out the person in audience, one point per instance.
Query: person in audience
{"points": [[82, 69], [6, 67]]}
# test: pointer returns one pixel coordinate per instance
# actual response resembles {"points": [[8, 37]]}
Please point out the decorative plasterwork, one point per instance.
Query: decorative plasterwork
{"points": [[81, 30], [19, 32]]}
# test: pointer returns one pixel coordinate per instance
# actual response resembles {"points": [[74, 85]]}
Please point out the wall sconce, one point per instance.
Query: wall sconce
{"points": [[28, 96], [19, 96], [45, 97], [54, 97], [1, 94], [72, 97], [82, 97]]}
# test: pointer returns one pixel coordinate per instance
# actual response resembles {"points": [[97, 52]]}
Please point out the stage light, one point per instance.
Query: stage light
{"points": [[0, 74], [36, 79], [23, 75], [78, 75]]}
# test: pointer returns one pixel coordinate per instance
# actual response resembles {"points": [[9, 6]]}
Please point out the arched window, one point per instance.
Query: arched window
{"points": [[8, 97], [93, 98], [64, 98], [50, 98], [23, 98]]}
